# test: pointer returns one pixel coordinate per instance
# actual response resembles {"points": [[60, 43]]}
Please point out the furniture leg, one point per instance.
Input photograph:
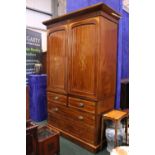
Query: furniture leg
{"points": [[115, 141], [126, 130], [102, 128]]}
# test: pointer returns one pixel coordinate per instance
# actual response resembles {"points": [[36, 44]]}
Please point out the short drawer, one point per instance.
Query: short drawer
{"points": [[53, 97], [83, 105], [56, 108]]}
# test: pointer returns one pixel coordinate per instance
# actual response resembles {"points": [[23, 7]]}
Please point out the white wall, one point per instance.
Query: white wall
{"points": [[44, 5], [61, 7], [34, 19], [126, 5]]}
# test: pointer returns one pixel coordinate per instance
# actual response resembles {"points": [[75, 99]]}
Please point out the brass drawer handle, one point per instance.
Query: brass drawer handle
{"points": [[55, 109], [81, 105], [56, 97], [80, 118]]}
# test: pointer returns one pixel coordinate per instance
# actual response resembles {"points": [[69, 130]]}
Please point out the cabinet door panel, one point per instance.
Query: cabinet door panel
{"points": [[57, 60], [83, 56]]}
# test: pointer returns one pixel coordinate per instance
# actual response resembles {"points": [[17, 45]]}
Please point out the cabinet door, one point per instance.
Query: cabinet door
{"points": [[83, 53], [57, 59]]}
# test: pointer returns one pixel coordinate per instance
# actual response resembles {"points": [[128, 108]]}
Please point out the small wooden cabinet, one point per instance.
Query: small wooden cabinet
{"points": [[81, 68], [31, 138], [48, 141]]}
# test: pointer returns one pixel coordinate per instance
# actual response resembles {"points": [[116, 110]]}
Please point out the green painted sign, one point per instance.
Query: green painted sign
{"points": [[33, 51]]}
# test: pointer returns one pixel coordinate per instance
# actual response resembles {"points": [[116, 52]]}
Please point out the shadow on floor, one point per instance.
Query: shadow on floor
{"points": [[69, 148]]}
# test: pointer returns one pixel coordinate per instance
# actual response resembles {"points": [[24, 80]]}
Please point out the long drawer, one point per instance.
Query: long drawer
{"points": [[75, 115], [83, 105], [57, 98], [72, 121]]}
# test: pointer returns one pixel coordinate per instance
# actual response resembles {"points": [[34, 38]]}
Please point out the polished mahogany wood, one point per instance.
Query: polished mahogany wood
{"points": [[82, 105], [44, 62], [81, 65], [73, 121], [107, 59], [87, 145], [83, 39], [76, 114], [100, 6], [57, 98], [57, 61]]}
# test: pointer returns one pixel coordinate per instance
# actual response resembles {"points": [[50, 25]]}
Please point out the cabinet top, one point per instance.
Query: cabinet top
{"points": [[93, 8]]}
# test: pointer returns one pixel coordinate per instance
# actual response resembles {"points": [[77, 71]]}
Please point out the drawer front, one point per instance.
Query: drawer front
{"points": [[83, 105], [74, 123], [57, 98], [76, 115], [83, 132]]}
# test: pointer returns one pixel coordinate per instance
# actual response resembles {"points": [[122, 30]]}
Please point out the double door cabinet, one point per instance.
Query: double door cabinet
{"points": [[81, 69]]}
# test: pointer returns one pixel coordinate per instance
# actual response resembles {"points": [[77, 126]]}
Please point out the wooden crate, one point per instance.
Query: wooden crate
{"points": [[31, 138], [48, 141]]}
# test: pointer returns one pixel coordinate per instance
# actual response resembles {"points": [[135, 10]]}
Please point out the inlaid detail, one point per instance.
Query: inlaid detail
{"points": [[83, 57], [82, 62]]}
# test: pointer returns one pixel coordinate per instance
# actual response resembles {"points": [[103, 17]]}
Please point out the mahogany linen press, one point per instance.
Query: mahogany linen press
{"points": [[81, 69]]}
